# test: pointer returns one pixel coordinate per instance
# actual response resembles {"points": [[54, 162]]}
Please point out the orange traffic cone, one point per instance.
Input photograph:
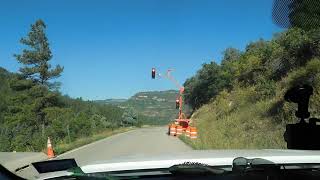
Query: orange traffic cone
{"points": [[50, 150]]}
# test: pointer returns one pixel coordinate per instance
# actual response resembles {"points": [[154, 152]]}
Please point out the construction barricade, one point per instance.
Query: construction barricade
{"points": [[193, 133], [173, 130], [188, 132], [179, 130]]}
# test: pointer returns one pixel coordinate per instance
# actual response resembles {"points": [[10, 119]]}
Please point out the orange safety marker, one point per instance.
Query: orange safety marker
{"points": [[173, 130], [188, 132], [193, 133], [179, 130], [49, 149]]}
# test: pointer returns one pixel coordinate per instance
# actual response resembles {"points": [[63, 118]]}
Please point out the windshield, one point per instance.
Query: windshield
{"points": [[113, 81]]}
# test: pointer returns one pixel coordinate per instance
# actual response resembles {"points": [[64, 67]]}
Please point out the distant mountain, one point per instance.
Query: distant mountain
{"points": [[111, 101], [157, 106], [156, 96]]}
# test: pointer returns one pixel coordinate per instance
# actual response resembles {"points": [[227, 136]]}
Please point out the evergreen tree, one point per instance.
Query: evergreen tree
{"points": [[36, 68], [35, 59]]}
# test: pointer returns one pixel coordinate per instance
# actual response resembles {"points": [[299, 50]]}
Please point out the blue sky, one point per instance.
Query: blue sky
{"points": [[108, 47]]}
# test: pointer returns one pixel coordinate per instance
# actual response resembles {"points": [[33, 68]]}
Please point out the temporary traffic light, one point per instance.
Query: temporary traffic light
{"points": [[153, 73], [177, 104]]}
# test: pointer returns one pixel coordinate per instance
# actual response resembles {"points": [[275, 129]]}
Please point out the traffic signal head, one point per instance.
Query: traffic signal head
{"points": [[177, 104], [153, 73]]}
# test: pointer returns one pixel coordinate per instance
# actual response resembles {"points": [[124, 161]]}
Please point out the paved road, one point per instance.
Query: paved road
{"points": [[14, 160], [140, 142], [151, 141]]}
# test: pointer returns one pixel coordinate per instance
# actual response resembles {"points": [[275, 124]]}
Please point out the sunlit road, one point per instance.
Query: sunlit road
{"points": [[140, 142]]}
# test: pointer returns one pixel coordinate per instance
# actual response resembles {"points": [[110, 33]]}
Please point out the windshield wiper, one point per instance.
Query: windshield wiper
{"points": [[190, 168]]}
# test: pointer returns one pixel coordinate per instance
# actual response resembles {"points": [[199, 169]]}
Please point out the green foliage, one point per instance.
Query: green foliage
{"points": [[305, 14], [249, 105], [5, 91], [33, 83], [32, 110], [205, 85], [224, 125], [129, 117], [296, 48], [66, 119], [36, 57], [230, 55], [261, 65], [309, 74]]}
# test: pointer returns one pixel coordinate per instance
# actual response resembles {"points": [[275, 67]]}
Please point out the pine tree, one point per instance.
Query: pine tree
{"points": [[36, 57], [36, 68]]}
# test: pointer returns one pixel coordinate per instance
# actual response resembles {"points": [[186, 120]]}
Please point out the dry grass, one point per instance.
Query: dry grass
{"points": [[242, 125]]}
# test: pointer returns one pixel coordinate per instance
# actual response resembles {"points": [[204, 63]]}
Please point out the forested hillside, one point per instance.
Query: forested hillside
{"points": [[32, 109], [66, 119], [239, 103]]}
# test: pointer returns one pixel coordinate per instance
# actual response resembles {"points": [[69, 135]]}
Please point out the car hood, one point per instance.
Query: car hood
{"points": [[210, 157]]}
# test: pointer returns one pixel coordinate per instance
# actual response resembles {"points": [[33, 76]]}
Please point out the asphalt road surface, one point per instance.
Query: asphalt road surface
{"points": [[151, 141], [140, 142]]}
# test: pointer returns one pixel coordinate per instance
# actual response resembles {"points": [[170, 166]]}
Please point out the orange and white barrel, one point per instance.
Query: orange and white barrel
{"points": [[173, 130], [179, 130], [188, 132], [193, 133]]}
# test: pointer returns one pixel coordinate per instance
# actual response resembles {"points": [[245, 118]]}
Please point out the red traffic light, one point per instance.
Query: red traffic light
{"points": [[153, 73]]}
